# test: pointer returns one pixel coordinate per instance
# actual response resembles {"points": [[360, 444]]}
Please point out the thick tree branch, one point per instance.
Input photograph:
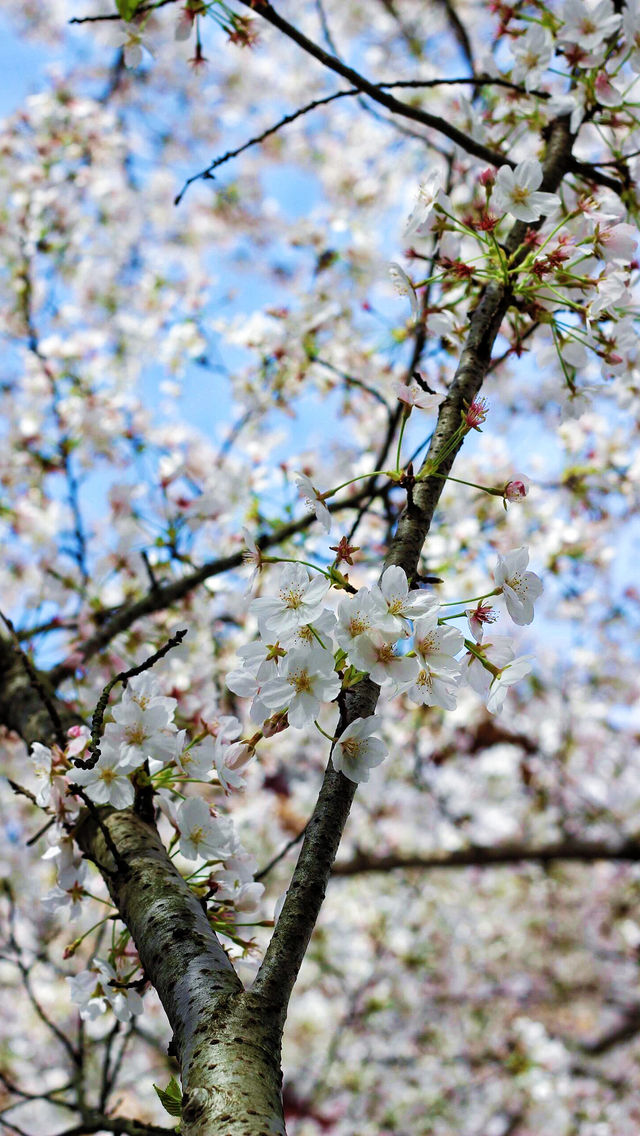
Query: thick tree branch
{"points": [[323, 833], [624, 1030]]}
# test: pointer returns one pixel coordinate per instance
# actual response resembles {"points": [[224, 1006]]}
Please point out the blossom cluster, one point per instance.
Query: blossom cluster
{"points": [[142, 739], [307, 652], [574, 268]]}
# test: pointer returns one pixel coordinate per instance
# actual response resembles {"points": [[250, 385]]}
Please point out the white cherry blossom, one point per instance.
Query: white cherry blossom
{"points": [[307, 634], [403, 286], [401, 603], [308, 680], [423, 216], [252, 556], [615, 241], [145, 691], [49, 769], [108, 782], [587, 24], [197, 761], [229, 761], [142, 724], [415, 396], [498, 652], [519, 587], [261, 657], [245, 684], [510, 674], [631, 25], [93, 992], [314, 500], [57, 898], [360, 615], [436, 645], [88, 990], [431, 689], [516, 192], [377, 655], [357, 750], [533, 52], [235, 883], [607, 93], [300, 600], [203, 836]]}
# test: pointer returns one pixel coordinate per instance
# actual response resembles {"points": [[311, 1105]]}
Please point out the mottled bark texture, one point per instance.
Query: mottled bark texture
{"points": [[227, 1046]]}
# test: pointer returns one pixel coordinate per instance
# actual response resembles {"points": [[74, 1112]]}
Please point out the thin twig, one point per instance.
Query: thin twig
{"points": [[208, 173], [103, 701], [116, 15], [167, 594], [415, 84], [280, 855]]}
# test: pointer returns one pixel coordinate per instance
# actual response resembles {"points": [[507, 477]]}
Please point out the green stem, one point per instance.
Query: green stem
{"points": [[474, 599], [404, 423], [360, 477], [432, 465], [292, 560], [316, 636], [324, 733], [473, 484], [477, 652]]}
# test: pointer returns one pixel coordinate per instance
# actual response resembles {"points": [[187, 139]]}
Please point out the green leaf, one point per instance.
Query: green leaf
{"points": [[171, 1098], [127, 8], [352, 676]]}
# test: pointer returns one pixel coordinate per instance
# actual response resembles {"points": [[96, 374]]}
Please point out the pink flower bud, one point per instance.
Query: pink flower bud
{"points": [[487, 177], [275, 725], [516, 490]]}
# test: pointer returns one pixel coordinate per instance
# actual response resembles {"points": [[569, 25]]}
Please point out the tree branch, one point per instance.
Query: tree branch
{"points": [[323, 832], [480, 856], [227, 1046], [460, 32], [365, 86], [164, 595], [375, 91], [415, 84], [293, 930], [475, 361]]}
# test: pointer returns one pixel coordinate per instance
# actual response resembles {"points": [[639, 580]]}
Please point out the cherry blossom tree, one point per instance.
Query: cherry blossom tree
{"points": [[319, 497]]}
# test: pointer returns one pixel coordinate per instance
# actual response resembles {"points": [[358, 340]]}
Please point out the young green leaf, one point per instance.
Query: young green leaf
{"points": [[171, 1097]]}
